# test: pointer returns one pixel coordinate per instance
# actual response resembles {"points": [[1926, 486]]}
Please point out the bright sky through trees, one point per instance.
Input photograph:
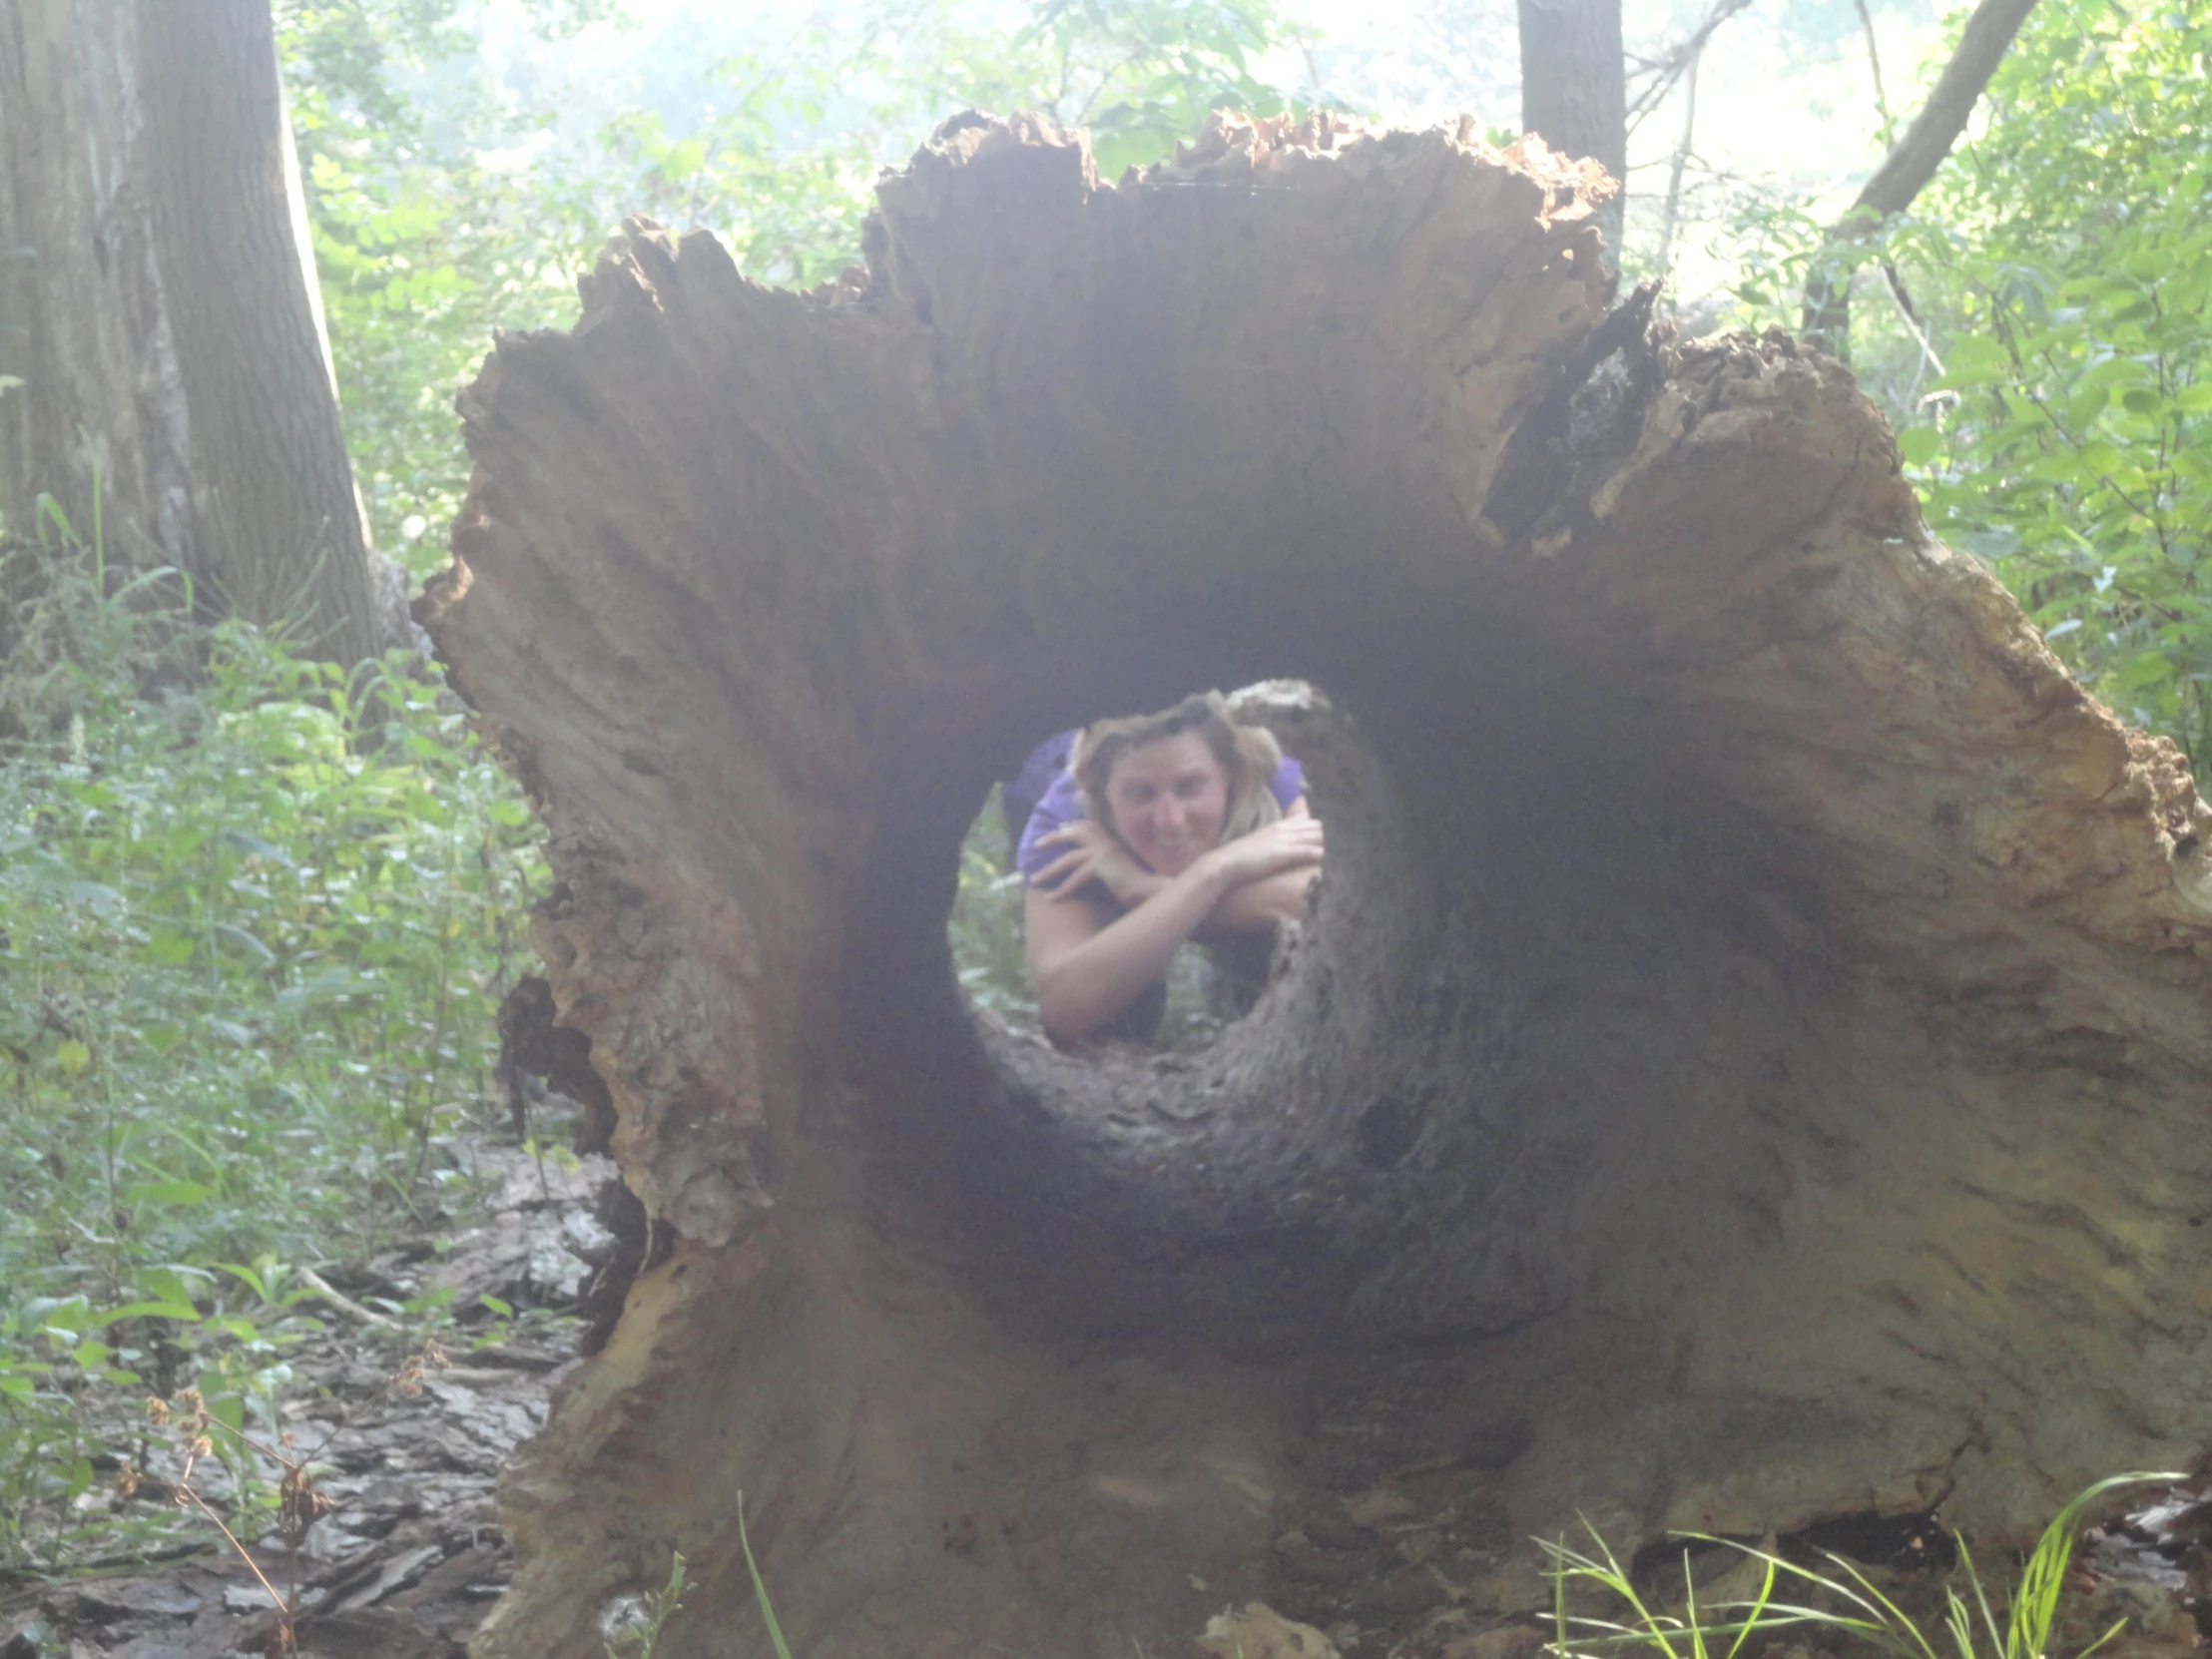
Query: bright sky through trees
{"points": [[1785, 99]]}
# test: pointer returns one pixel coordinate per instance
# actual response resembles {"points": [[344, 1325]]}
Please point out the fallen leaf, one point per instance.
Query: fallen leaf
{"points": [[1260, 1632]]}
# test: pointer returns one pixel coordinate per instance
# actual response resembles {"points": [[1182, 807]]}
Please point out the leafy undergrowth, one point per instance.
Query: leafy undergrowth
{"points": [[986, 926], [256, 916]]}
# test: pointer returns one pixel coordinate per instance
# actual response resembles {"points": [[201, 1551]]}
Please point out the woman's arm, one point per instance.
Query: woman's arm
{"points": [[1256, 904], [1085, 969], [1092, 855], [1272, 898], [1086, 965]]}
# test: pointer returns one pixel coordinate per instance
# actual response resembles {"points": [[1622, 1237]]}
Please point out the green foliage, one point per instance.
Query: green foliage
{"points": [[760, 1589], [1647, 1626], [231, 1328], [2044, 346], [443, 206], [46, 1451], [989, 954], [2072, 438], [785, 167], [2078, 455], [1842, 1601], [254, 915], [421, 247], [640, 1638], [1142, 76]]}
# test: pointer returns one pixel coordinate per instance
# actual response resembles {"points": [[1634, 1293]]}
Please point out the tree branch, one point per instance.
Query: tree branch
{"points": [[1874, 62], [1911, 160], [1670, 66], [1914, 160]]}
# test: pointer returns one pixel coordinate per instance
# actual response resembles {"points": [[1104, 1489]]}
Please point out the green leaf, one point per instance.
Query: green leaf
{"points": [[231, 934], [97, 896], [1976, 359], [2150, 669], [181, 1311], [167, 948], [168, 1192]]}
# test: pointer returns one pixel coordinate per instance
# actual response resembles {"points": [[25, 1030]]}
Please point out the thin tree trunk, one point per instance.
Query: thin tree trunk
{"points": [[171, 342], [1574, 90], [1909, 165], [1659, 74]]}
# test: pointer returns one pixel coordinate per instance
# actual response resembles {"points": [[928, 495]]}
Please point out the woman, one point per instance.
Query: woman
{"points": [[1191, 826]]}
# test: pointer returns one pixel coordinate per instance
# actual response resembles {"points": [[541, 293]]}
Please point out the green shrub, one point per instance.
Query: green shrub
{"points": [[255, 915], [2051, 382], [985, 928]]}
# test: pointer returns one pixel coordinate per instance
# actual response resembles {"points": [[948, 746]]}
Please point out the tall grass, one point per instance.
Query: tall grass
{"points": [[2015, 1622]]}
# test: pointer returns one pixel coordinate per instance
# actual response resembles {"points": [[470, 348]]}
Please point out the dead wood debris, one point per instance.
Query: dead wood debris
{"points": [[405, 1553]]}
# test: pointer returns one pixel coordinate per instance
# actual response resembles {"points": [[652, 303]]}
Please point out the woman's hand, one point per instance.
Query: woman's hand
{"points": [[1287, 843], [1086, 963], [1094, 855]]}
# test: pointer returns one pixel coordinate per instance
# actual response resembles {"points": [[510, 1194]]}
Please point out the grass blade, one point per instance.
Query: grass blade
{"points": [[759, 1590], [2027, 1631]]}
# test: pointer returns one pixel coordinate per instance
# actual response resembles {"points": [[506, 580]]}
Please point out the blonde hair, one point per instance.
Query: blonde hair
{"points": [[1248, 753]]}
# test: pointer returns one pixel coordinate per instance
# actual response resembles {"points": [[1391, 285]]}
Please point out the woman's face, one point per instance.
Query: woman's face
{"points": [[1169, 798]]}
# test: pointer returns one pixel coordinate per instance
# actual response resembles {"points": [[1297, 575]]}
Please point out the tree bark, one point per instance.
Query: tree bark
{"points": [[1744, 1067], [1911, 163], [167, 327], [1575, 89]]}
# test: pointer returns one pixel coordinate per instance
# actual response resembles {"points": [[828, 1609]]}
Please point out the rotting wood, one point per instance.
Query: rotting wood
{"points": [[1744, 1065]]}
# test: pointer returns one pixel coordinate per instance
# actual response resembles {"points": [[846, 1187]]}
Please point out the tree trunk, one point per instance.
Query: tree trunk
{"points": [[1744, 1068], [167, 330], [1574, 90], [1911, 163]]}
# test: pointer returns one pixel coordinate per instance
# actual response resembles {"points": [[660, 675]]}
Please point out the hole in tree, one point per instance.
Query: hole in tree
{"points": [[1020, 842], [1524, 895]]}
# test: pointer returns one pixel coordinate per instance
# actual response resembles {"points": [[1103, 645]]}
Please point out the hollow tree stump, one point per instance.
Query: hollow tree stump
{"points": [[1745, 1065]]}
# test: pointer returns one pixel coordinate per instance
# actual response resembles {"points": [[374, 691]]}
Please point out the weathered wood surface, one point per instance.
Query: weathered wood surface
{"points": [[1746, 1066]]}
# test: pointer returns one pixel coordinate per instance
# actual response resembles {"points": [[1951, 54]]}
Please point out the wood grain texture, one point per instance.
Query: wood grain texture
{"points": [[1744, 1065]]}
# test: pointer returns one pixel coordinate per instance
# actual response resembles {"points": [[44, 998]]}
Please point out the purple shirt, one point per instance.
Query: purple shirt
{"points": [[1062, 803]]}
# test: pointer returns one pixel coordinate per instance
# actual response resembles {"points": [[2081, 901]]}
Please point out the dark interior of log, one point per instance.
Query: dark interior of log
{"points": [[1742, 1069], [1515, 856]]}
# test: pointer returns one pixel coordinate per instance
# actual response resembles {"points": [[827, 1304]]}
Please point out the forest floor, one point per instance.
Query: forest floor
{"points": [[407, 1433], [406, 1437]]}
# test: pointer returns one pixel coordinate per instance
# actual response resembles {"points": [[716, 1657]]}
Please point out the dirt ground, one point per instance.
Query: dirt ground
{"points": [[410, 1554]]}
